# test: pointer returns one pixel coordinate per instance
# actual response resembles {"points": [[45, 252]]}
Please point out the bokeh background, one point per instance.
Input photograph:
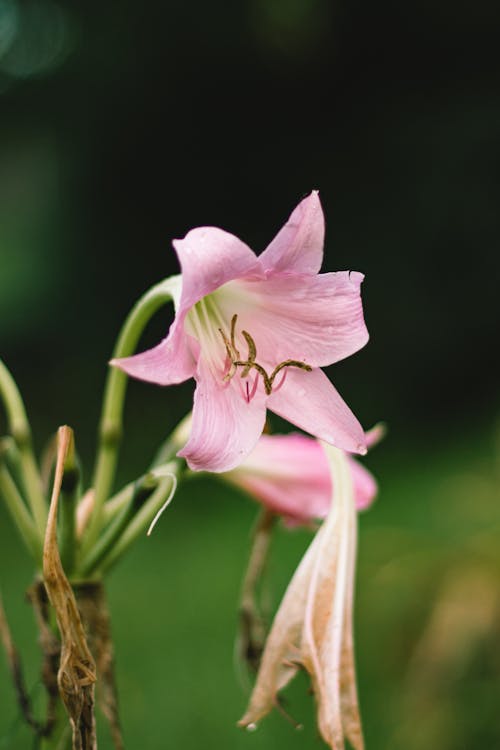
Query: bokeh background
{"points": [[123, 125]]}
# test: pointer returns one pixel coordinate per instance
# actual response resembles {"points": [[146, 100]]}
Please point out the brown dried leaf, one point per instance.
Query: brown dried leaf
{"points": [[77, 672]]}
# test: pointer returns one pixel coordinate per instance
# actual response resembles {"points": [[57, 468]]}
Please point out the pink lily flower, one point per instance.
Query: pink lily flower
{"points": [[254, 333], [291, 476]]}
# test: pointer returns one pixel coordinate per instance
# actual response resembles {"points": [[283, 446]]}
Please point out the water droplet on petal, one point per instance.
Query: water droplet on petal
{"points": [[362, 449], [251, 727]]}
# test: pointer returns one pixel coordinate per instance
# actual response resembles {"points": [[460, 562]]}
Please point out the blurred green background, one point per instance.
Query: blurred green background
{"points": [[123, 125]]}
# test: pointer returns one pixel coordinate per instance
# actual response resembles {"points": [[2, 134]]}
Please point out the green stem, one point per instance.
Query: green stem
{"points": [[141, 491], [21, 432], [110, 427], [19, 513], [141, 521]]}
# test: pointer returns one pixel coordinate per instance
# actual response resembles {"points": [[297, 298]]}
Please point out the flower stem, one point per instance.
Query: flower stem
{"points": [[140, 522], [110, 428], [252, 630], [140, 491], [20, 514], [21, 432]]}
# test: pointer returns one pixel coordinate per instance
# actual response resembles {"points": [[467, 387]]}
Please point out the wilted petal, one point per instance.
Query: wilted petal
{"points": [[226, 425], [326, 653], [309, 400], [282, 656], [298, 246], [314, 622]]}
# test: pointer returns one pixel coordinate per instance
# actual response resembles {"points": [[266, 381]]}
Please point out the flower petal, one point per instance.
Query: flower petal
{"points": [[289, 474], [365, 486], [309, 400], [209, 258], [172, 360], [298, 246], [169, 362], [225, 425], [315, 319]]}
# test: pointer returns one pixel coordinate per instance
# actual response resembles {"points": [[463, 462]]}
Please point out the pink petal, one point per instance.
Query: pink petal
{"points": [[289, 474], [365, 486], [314, 319], [209, 258], [171, 361], [225, 425], [298, 246], [309, 400]]}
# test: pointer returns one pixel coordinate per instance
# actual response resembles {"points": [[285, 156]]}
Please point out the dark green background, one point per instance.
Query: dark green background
{"points": [[122, 125]]}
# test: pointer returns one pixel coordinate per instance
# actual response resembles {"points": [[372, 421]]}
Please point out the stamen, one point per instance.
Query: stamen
{"points": [[252, 353], [230, 354], [250, 363], [233, 327], [289, 363]]}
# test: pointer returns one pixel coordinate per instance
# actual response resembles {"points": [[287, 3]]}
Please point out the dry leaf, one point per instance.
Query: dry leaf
{"points": [[77, 672]]}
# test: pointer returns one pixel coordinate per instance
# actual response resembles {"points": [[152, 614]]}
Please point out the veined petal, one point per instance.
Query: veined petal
{"points": [[309, 400], [171, 361], [289, 474], [298, 246], [226, 426], [315, 319], [209, 258]]}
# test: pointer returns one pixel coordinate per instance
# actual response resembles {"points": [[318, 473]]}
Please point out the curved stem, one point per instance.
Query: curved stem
{"points": [[21, 432], [110, 427], [140, 522]]}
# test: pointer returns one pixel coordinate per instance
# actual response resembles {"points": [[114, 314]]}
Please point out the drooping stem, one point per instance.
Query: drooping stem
{"points": [[21, 432], [110, 427]]}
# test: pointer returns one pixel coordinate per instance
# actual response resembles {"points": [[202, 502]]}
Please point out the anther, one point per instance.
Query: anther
{"points": [[250, 363]]}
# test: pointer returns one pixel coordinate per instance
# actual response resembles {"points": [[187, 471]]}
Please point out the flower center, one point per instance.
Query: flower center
{"points": [[250, 362]]}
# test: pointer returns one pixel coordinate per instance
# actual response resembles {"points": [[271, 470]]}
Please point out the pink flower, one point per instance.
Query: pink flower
{"points": [[253, 332], [291, 476]]}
